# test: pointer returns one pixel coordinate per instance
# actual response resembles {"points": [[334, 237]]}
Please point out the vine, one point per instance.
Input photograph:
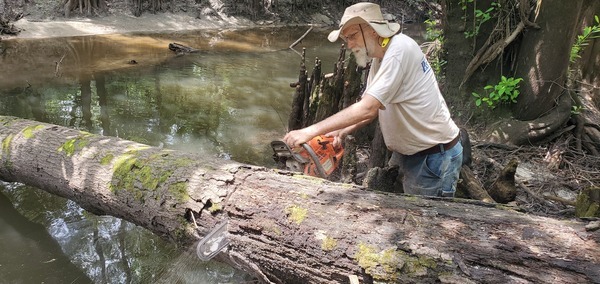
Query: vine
{"points": [[480, 17], [589, 32], [582, 40]]}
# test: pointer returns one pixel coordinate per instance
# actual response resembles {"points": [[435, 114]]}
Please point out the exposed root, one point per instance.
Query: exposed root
{"points": [[548, 178], [490, 51]]}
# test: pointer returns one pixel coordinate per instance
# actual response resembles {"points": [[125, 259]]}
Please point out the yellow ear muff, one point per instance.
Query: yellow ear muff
{"points": [[385, 41]]}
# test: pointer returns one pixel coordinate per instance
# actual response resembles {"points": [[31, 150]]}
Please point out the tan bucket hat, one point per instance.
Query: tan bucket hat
{"points": [[369, 13]]}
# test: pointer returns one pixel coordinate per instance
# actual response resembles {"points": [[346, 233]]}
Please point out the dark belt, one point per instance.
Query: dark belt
{"points": [[438, 148]]}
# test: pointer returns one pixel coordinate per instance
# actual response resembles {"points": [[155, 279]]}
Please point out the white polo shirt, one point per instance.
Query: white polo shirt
{"points": [[414, 116]]}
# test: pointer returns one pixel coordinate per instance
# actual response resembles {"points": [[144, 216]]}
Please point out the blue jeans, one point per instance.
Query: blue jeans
{"points": [[433, 174]]}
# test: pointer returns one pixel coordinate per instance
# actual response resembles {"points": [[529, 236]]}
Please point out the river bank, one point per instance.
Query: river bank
{"points": [[45, 18], [123, 24]]}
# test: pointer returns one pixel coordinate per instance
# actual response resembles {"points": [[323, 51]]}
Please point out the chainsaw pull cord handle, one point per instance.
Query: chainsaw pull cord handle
{"points": [[315, 159]]}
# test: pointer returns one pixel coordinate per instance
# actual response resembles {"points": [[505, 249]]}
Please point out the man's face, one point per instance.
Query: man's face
{"points": [[353, 36]]}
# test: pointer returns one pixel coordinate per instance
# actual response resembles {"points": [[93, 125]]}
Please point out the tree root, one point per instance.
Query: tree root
{"points": [[490, 51], [7, 28], [88, 5]]}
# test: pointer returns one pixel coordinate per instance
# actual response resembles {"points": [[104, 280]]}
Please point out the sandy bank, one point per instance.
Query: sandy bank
{"points": [[126, 23], [121, 24]]}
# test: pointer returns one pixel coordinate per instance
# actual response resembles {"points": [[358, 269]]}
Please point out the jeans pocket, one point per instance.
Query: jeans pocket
{"points": [[433, 165]]}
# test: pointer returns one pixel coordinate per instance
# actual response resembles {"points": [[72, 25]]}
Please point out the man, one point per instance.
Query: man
{"points": [[403, 92]]}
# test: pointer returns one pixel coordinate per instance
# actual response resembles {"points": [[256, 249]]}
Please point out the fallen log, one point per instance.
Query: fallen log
{"points": [[290, 228], [181, 49]]}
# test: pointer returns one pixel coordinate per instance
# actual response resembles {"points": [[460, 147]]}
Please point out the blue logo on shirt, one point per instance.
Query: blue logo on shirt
{"points": [[425, 65]]}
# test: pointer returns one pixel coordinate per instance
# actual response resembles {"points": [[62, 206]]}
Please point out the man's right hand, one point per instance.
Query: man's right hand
{"points": [[296, 138]]}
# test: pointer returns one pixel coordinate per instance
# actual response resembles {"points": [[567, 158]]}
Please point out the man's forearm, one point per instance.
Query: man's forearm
{"points": [[352, 117], [364, 110], [350, 129]]}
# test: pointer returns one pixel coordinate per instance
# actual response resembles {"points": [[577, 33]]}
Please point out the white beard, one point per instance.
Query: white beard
{"points": [[361, 57]]}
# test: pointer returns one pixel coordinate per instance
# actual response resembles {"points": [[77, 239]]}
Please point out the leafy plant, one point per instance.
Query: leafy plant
{"points": [[435, 38], [432, 32], [464, 3], [589, 32], [576, 110], [480, 18], [506, 91], [437, 64]]}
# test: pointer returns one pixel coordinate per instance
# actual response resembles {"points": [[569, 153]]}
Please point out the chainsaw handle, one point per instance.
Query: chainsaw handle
{"points": [[315, 159]]}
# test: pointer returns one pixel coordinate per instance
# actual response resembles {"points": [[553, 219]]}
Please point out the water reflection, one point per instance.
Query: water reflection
{"points": [[29, 255], [227, 101], [236, 86], [48, 239]]}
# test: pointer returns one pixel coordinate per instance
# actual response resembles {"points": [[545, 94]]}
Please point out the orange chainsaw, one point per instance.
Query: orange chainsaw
{"points": [[316, 157]]}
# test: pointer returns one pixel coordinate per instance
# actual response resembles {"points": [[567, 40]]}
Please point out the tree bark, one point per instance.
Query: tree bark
{"points": [[300, 100], [518, 132], [289, 228], [544, 80]]}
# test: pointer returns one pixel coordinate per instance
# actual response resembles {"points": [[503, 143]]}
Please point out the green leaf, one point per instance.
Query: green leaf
{"points": [[501, 91]]}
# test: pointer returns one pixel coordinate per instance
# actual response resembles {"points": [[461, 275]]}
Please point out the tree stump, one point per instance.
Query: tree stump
{"points": [[503, 189]]}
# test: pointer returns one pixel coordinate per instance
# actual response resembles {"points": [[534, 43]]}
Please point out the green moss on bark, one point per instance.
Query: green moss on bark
{"points": [[75, 144]]}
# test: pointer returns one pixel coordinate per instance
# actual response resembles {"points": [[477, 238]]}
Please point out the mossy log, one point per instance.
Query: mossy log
{"points": [[289, 228]]}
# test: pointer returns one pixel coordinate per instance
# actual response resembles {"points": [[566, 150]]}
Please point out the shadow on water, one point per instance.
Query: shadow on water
{"points": [[28, 254]]}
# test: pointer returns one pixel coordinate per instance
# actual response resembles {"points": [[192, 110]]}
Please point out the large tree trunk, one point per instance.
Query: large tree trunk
{"points": [[289, 228], [544, 57]]}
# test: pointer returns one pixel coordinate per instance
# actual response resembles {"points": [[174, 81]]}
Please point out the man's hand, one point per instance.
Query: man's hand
{"points": [[346, 120], [338, 137], [297, 137]]}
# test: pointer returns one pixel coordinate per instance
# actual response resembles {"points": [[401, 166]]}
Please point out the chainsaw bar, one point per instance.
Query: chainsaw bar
{"points": [[287, 158], [213, 243]]}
